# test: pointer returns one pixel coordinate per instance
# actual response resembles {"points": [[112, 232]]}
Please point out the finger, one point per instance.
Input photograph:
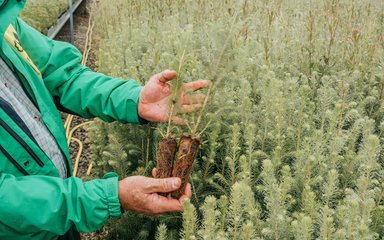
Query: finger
{"points": [[163, 205], [193, 99], [187, 191], [196, 85], [163, 185], [178, 121], [165, 76], [186, 195], [154, 172], [191, 108]]}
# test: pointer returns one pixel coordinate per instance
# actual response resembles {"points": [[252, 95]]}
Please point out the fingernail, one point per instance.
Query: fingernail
{"points": [[175, 184]]}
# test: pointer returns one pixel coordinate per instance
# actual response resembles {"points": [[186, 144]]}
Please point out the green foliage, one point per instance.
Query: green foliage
{"points": [[243, 213], [161, 232], [42, 14], [293, 133], [211, 214], [277, 200], [142, 228], [189, 222]]}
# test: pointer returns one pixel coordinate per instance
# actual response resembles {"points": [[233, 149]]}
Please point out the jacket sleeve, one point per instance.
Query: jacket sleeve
{"points": [[75, 87], [31, 204]]}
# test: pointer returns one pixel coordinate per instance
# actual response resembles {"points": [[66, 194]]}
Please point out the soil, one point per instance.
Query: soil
{"points": [[188, 148], [165, 157]]}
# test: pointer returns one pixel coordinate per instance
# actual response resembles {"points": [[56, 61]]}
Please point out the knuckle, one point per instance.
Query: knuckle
{"points": [[162, 75], [148, 185], [156, 211], [165, 184]]}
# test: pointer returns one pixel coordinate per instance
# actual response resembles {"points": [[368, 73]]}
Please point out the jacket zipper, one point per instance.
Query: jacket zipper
{"points": [[21, 142], [13, 161]]}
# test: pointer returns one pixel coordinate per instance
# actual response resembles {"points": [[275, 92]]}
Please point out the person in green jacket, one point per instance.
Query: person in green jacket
{"points": [[39, 199]]}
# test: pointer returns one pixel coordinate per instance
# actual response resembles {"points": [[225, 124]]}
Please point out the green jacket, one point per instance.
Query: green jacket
{"points": [[35, 203]]}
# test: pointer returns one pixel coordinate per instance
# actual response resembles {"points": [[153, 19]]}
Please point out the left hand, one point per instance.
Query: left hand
{"points": [[140, 194], [156, 96]]}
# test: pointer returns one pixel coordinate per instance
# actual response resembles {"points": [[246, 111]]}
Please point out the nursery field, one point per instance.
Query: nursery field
{"points": [[42, 14], [292, 133]]}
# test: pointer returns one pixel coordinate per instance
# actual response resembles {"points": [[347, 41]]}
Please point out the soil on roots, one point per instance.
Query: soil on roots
{"points": [[188, 148], [165, 157]]}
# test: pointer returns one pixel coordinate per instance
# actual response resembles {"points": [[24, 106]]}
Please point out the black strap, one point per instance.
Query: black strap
{"points": [[72, 234]]}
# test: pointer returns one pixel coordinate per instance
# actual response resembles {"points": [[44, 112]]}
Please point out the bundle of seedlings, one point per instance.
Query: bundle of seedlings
{"points": [[189, 144], [167, 146], [187, 149]]}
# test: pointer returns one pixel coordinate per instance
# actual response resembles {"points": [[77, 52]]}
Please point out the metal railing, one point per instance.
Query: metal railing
{"points": [[68, 15]]}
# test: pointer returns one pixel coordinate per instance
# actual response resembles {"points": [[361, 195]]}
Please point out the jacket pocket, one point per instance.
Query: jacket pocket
{"points": [[15, 117], [21, 142], [13, 161]]}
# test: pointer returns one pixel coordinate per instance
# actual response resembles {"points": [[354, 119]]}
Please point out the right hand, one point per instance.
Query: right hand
{"points": [[156, 96], [139, 194]]}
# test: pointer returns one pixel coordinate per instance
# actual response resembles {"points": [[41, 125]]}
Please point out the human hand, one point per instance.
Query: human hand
{"points": [[187, 191], [139, 194], [156, 96]]}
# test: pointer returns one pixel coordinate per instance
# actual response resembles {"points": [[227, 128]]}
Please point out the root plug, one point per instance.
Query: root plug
{"points": [[188, 148]]}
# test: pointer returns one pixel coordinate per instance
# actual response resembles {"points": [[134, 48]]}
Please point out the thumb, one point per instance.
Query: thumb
{"points": [[166, 75], [164, 185]]}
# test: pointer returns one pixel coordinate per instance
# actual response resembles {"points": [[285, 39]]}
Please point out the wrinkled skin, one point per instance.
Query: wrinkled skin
{"points": [[140, 194]]}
